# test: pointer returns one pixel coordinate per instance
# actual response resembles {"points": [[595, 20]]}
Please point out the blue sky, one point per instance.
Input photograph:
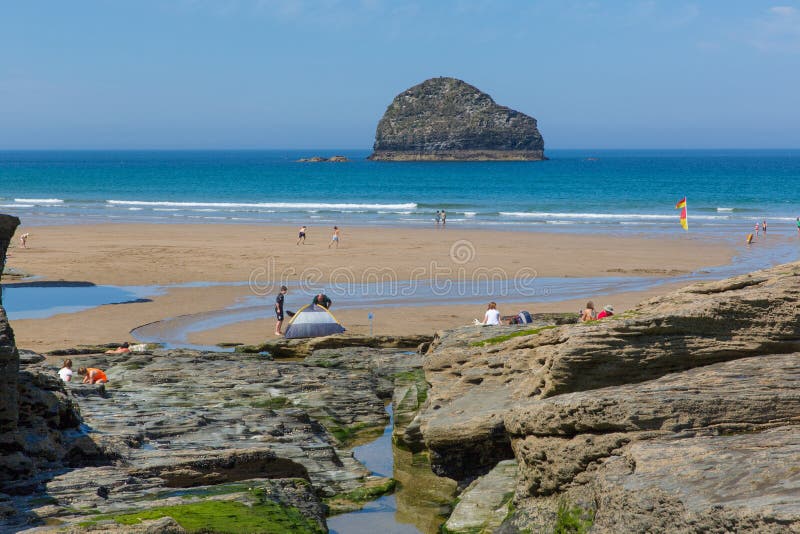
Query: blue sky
{"points": [[319, 74]]}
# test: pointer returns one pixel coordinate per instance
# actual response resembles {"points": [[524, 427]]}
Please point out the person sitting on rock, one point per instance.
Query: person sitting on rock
{"points": [[607, 311], [65, 373], [492, 315], [92, 375], [588, 313], [122, 349]]}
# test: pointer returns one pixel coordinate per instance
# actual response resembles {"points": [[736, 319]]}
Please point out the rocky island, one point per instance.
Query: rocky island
{"points": [[446, 119]]}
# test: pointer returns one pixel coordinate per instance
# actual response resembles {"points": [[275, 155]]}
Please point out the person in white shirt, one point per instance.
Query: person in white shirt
{"points": [[492, 316], [66, 371]]}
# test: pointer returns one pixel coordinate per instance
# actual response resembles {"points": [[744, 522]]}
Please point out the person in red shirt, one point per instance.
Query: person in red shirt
{"points": [[92, 375], [607, 311]]}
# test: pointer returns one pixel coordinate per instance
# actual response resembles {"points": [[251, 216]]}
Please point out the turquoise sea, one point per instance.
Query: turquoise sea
{"points": [[576, 190]]}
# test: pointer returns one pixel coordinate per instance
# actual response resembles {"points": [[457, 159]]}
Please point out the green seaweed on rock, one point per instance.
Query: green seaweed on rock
{"points": [[224, 517], [505, 337]]}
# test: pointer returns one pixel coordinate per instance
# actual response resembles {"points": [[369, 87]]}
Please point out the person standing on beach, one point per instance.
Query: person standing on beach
{"points": [[798, 226], [764, 226], [279, 309], [302, 235], [757, 229], [23, 240], [438, 217], [335, 237], [444, 218]]}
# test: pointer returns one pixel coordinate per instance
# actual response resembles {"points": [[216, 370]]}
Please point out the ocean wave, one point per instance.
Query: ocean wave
{"points": [[618, 216], [275, 205], [725, 209], [39, 201], [16, 205]]}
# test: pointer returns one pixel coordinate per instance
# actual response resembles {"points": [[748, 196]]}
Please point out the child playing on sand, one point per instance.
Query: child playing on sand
{"points": [[302, 235], [65, 373], [335, 237], [92, 375]]}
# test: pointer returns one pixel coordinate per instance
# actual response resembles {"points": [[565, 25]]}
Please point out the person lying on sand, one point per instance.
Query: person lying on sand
{"points": [[92, 375], [122, 349]]}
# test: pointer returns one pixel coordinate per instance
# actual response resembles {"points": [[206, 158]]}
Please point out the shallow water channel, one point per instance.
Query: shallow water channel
{"points": [[418, 505]]}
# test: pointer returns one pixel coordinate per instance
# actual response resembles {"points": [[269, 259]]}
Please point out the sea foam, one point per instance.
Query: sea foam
{"points": [[274, 205], [38, 201]]}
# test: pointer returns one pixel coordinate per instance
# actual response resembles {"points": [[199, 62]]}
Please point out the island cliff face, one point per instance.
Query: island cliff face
{"points": [[445, 119]]}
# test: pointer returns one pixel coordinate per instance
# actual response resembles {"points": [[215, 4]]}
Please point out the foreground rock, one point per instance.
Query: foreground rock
{"points": [[300, 348], [678, 416], [484, 505], [472, 387], [187, 429], [448, 119]]}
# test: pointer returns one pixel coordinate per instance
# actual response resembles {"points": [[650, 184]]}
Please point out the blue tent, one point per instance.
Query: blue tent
{"points": [[312, 320]]}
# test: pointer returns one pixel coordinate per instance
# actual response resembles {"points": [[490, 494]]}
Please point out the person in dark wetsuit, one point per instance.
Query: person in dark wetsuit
{"points": [[322, 300], [279, 310]]}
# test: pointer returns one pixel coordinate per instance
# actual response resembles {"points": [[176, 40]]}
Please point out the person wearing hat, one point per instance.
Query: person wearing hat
{"points": [[608, 311]]}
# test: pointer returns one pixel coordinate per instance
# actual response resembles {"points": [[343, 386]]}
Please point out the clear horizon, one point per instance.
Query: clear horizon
{"points": [[298, 75]]}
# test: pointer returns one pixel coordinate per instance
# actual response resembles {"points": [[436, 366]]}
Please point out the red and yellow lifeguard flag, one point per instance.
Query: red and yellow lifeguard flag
{"points": [[681, 205]]}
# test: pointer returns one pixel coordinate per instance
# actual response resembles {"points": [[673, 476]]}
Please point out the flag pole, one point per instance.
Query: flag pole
{"points": [[686, 207]]}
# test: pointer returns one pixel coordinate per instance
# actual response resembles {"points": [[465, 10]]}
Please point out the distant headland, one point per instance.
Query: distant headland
{"points": [[447, 119]]}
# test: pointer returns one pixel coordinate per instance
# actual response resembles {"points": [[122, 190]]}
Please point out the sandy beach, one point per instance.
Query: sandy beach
{"points": [[156, 254]]}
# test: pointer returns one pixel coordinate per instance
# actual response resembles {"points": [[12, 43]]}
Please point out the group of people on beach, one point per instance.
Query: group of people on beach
{"points": [[441, 217], [589, 313], [757, 229], [493, 317], [303, 233]]}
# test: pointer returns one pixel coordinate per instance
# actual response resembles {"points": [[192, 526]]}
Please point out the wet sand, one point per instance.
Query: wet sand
{"points": [[153, 254]]}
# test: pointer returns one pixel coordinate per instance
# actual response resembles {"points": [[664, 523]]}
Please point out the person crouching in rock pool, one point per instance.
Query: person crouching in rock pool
{"points": [[65, 373], [92, 375]]}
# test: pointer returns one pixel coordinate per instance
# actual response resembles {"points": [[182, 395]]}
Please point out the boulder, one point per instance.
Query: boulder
{"points": [[449, 119], [9, 359]]}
